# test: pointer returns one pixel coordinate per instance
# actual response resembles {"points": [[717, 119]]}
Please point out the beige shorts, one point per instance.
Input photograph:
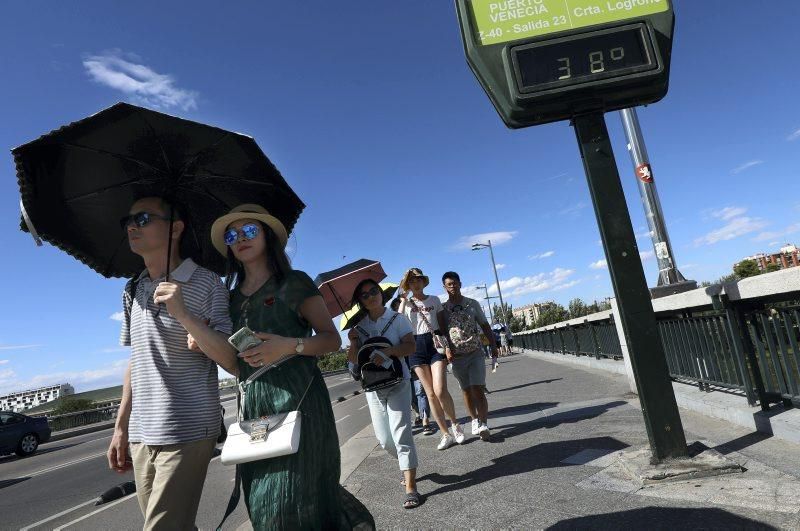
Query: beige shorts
{"points": [[470, 369]]}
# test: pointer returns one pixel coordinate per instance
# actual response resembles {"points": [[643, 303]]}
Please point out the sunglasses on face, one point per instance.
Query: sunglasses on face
{"points": [[364, 295], [140, 219], [248, 232]]}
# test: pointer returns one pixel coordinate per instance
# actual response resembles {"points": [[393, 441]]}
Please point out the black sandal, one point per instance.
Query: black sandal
{"points": [[412, 500], [427, 430]]}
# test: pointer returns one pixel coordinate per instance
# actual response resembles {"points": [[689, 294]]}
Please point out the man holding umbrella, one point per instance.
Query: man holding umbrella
{"points": [[170, 411]]}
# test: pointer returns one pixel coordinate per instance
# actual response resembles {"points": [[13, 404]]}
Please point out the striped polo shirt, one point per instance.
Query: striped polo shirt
{"points": [[175, 391]]}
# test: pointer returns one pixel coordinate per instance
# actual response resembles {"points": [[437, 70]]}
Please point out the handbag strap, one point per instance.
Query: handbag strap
{"points": [[385, 328], [233, 502]]}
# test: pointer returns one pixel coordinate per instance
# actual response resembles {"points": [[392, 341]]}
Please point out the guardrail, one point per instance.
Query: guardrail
{"points": [[743, 336]]}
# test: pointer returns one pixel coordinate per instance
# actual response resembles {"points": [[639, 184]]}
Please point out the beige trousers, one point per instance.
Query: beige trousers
{"points": [[169, 482]]}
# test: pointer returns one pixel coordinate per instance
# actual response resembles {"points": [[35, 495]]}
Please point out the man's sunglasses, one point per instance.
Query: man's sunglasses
{"points": [[364, 295], [248, 231], [140, 219]]}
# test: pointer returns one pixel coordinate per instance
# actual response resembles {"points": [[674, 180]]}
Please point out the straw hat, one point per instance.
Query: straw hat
{"points": [[414, 272], [246, 211]]}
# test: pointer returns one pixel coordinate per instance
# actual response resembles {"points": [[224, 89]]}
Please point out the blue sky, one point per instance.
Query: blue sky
{"points": [[370, 112]]}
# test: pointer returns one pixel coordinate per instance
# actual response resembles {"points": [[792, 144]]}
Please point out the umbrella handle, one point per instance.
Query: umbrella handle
{"points": [[29, 224], [169, 238]]}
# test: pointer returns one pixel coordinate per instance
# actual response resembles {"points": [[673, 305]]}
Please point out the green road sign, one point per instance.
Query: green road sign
{"points": [[510, 20], [546, 60]]}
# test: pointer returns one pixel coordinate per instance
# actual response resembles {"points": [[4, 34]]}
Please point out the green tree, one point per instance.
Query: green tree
{"points": [[772, 267], [746, 268], [732, 277], [577, 308], [71, 405], [555, 313]]}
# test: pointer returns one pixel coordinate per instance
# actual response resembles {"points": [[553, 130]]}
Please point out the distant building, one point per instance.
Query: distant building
{"points": [[787, 256], [530, 312], [22, 400]]}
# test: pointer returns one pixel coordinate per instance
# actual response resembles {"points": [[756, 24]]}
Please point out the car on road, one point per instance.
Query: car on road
{"points": [[22, 434]]}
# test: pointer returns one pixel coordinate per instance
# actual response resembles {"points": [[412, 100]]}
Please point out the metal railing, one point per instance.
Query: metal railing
{"points": [[82, 418], [775, 336], [592, 338], [750, 346]]}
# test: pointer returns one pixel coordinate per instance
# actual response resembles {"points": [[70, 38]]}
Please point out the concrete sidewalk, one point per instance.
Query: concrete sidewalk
{"points": [[552, 462]]}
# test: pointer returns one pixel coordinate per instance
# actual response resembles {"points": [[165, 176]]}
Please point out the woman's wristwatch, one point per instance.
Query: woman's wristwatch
{"points": [[298, 349]]}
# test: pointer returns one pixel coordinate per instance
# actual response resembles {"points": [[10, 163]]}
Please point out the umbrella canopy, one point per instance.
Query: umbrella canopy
{"points": [[78, 181], [352, 316], [337, 286]]}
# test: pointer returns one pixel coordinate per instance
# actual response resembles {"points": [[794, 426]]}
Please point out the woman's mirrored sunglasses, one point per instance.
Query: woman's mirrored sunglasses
{"points": [[140, 219], [374, 291], [248, 231]]}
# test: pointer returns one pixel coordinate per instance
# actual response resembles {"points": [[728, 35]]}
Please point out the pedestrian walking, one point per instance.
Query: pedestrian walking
{"points": [[389, 407], [169, 413], [283, 307], [429, 360], [464, 320]]}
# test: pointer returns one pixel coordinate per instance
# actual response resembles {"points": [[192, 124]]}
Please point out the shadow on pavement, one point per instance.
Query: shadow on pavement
{"points": [[551, 421], [516, 410], [526, 385], [12, 458], [742, 442], [545, 455], [662, 518], [9, 482]]}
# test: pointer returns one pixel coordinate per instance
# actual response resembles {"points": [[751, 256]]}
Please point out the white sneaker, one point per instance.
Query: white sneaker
{"points": [[476, 426], [446, 442], [483, 431], [458, 433]]}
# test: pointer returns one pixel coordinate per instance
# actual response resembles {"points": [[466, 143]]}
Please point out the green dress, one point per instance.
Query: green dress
{"points": [[298, 491]]}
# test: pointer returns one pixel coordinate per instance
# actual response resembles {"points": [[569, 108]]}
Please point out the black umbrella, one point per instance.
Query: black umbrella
{"points": [[78, 181]]}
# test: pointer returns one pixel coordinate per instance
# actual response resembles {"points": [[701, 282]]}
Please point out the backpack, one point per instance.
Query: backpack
{"points": [[463, 329], [374, 377]]}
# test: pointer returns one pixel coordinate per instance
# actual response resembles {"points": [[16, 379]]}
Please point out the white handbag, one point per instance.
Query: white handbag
{"points": [[265, 437]]}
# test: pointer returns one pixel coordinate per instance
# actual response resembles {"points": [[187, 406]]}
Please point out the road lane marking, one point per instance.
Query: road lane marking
{"points": [[103, 508], [362, 407], [63, 465], [58, 515], [341, 419]]}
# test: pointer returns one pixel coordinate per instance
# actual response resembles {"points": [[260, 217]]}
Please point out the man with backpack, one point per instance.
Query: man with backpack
{"points": [[465, 321]]}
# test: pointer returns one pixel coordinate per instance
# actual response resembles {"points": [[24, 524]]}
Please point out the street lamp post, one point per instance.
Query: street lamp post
{"points": [[478, 247], [485, 289]]}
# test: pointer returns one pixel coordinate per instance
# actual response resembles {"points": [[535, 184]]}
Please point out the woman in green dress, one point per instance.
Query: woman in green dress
{"points": [[283, 306]]}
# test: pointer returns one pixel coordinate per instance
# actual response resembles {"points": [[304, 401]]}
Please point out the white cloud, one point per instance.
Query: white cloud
{"points": [[646, 255], [600, 264], [497, 238], [500, 266], [776, 235], [116, 316], [573, 209], [794, 136], [140, 82], [643, 234], [552, 281], [18, 347], [736, 226], [728, 212], [546, 254], [746, 165], [3, 362], [108, 375]]}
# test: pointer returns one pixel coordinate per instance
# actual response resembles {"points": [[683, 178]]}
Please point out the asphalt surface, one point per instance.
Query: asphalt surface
{"points": [[57, 487]]}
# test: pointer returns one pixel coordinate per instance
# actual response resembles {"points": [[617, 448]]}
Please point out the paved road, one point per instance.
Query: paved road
{"points": [[57, 487]]}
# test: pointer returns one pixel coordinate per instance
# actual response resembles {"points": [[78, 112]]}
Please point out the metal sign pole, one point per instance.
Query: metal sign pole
{"points": [[661, 417], [668, 274]]}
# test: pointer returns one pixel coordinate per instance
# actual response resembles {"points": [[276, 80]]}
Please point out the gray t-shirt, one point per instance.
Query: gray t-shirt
{"points": [[175, 391]]}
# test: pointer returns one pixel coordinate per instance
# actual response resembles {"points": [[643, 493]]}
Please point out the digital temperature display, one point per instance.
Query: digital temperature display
{"points": [[582, 58]]}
